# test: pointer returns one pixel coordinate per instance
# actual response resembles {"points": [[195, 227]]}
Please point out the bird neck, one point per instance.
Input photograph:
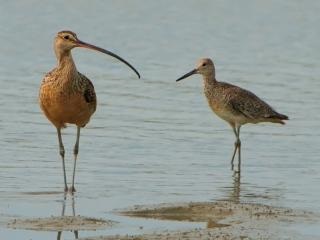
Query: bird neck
{"points": [[209, 80], [66, 63]]}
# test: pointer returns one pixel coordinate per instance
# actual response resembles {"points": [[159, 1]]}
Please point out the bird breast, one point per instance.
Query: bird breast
{"points": [[72, 102], [218, 99]]}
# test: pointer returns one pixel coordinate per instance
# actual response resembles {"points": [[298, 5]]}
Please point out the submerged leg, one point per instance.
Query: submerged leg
{"points": [[75, 152], [61, 149]]}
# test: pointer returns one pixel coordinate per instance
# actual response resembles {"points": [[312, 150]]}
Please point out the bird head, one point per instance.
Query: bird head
{"points": [[204, 67], [65, 41]]}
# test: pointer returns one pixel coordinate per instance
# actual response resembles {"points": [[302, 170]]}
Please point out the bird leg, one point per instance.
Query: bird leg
{"points": [[61, 149], [237, 147], [234, 154], [75, 152]]}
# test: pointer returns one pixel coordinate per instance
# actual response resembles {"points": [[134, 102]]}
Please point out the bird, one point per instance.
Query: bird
{"points": [[66, 96], [235, 105]]}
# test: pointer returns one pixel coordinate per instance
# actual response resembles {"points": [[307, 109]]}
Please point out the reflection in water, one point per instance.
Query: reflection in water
{"points": [[76, 233], [233, 192]]}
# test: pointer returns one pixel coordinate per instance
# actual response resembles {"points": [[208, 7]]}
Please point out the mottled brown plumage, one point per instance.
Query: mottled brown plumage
{"points": [[59, 96], [67, 96], [233, 104]]}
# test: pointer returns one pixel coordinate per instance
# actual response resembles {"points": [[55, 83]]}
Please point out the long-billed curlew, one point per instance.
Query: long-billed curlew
{"points": [[233, 104], [67, 96]]}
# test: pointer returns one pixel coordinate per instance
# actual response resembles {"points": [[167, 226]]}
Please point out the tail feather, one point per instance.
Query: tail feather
{"points": [[278, 118], [283, 117]]}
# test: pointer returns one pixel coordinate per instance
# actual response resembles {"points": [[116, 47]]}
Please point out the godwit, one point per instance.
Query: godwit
{"points": [[67, 96], [233, 104]]}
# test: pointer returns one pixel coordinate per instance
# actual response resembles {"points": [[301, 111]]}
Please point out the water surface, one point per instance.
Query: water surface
{"points": [[153, 140]]}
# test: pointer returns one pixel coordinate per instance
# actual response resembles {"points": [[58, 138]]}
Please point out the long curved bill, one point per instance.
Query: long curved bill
{"points": [[194, 71], [90, 46]]}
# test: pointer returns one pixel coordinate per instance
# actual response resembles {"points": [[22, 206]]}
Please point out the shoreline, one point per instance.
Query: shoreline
{"points": [[224, 220]]}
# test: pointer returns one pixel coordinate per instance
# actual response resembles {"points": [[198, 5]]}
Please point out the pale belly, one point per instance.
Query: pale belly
{"points": [[225, 113]]}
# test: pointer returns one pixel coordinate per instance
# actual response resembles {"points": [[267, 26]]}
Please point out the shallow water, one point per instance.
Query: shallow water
{"points": [[153, 140]]}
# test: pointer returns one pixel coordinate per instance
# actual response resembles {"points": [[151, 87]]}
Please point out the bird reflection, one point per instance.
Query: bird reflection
{"points": [[76, 233], [233, 191], [235, 194]]}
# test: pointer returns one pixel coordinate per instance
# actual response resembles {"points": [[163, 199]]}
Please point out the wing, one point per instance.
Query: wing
{"points": [[251, 106], [88, 89], [89, 94]]}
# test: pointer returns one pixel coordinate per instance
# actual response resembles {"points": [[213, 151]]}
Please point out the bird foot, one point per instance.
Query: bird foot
{"points": [[65, 189], [72, 190], [237, 172]]}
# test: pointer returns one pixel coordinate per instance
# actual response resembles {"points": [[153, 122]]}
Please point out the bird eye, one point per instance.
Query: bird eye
{"points": [[204, 64], [66, 37]]}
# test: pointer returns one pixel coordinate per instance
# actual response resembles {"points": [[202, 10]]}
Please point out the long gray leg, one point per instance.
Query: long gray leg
{"points": [[235, 147], [61, 149], [75, 152], [239, 148]]}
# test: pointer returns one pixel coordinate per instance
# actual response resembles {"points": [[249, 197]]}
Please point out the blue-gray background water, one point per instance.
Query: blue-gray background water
{"points": [[153, 140]]}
